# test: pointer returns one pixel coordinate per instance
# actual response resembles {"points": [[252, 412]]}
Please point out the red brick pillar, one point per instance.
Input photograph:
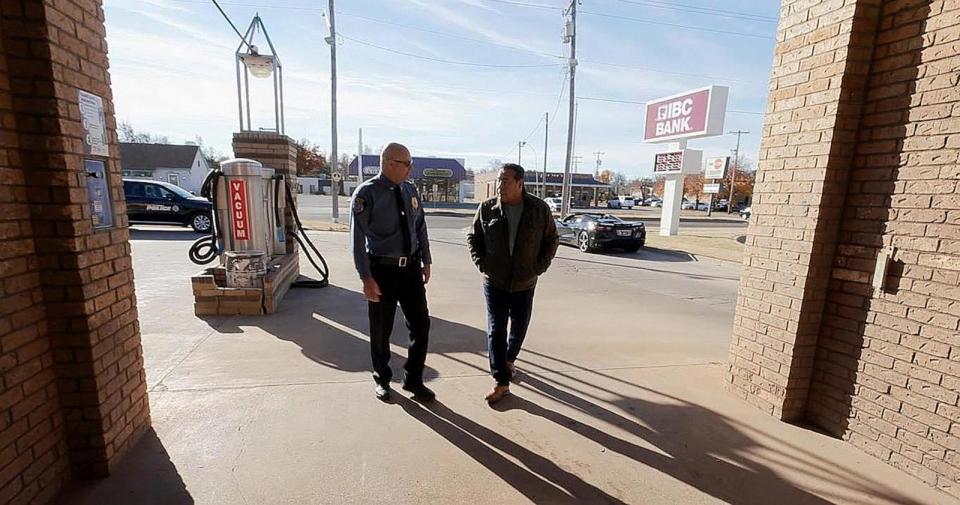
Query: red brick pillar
{"points": [[821, 62], [74, 396], [275, 151]]}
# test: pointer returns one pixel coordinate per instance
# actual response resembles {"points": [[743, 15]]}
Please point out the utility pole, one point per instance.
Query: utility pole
{"points": [[360, 157], [597, 171], [570, 35], [733, 168], [546, 133], [334, 169]]}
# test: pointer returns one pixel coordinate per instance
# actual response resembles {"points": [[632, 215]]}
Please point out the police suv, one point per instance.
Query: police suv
{"points": [[157, 202]]}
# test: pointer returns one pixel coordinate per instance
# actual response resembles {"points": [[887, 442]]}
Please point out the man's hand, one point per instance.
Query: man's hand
{"points": [[426, 274], [371, 290]]}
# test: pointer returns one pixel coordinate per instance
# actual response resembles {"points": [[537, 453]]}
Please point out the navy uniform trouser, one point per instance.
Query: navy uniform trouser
{"points": [[502, 307], [403, 285]]}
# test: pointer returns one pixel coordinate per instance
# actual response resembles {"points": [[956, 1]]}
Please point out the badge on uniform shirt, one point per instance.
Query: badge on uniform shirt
{"points": [[358, 205], [414, 203]]}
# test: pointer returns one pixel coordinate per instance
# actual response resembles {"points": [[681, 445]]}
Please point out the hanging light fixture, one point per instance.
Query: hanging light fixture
{"points": [[249, 61], [259, 65]]}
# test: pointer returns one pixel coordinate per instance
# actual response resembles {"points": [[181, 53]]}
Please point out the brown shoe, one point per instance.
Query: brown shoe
{"points": [[499, 392]]}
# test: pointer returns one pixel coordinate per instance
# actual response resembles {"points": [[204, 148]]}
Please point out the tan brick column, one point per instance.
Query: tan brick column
{"points": [[277, 152], [69, 338], [821, 62]]}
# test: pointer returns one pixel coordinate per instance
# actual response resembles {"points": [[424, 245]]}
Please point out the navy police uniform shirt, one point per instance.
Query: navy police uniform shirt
{"points": [[375, 223]]}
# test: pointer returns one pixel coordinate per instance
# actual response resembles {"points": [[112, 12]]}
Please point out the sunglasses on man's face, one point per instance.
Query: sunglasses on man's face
{"points": [[404, 162]]}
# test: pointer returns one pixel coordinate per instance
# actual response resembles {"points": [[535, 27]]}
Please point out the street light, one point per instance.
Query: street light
{"points": [[261, 66]]}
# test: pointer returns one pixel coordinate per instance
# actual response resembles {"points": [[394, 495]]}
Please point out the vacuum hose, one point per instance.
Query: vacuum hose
{"points": [[205, 249]]}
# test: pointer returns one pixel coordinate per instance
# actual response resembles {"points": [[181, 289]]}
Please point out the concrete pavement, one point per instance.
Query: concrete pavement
{"points": [[620, 399]]}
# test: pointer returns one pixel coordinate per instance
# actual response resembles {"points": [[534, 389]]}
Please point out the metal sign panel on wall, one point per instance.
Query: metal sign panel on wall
{"points": [[94, 124], [716, 168], [711, 189], [98, 192], [692, 114]]}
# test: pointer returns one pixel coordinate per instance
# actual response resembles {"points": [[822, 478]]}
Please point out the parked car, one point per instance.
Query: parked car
{"points": [[157, 202], [626, 202], [589, 232], [554, 203], [687, 205], [745, 212], [613, 203], [653, 202]]}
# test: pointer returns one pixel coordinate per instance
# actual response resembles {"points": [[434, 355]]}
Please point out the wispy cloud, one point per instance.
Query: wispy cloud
{"points": [[474, 25]]}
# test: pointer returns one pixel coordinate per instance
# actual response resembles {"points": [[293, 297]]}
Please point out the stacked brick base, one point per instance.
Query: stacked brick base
{"points": [[212, 297], [860, 151]]}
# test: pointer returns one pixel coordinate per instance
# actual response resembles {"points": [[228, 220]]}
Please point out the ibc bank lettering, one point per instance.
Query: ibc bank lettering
{"points": [[674, 117]]}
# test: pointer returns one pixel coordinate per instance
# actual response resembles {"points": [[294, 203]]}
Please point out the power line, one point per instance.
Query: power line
{"points": [[702, 10], [563, 87], [445, 34], [440, 60], [526, 4], [675, 25], [683, 74], [634, 102]]}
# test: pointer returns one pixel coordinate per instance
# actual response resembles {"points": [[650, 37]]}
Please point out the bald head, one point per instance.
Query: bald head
{"points": [[395, 162]]}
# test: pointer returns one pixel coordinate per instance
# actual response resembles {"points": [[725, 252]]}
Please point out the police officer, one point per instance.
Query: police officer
{"points": [[392, 255]]}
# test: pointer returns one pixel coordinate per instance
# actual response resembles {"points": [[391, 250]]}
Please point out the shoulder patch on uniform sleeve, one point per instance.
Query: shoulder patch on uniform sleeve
{"points": [[359, 205], [414, 202]]}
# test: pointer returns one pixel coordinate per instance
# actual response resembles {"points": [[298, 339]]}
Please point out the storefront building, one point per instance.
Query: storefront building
{"points": [[437, 179], [585, 190]]}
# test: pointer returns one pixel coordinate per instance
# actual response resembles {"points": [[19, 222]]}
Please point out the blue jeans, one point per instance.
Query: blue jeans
{"points": [[503, 306]]}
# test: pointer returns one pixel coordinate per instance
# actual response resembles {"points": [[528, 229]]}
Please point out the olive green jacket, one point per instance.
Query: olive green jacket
{"points": [[533, 251]]}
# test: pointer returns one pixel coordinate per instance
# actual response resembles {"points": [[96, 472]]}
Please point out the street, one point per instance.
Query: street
{"points": [[320, 208]]}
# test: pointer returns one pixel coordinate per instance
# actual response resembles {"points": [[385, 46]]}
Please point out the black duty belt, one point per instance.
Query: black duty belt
{"points": [[394, 261]]}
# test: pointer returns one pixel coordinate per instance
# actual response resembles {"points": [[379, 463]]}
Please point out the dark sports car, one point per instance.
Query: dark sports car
{"points": [[601, 231]]}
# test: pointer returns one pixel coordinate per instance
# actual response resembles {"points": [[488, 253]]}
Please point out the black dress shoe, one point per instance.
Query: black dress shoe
{"points": [[382, 392], [420, 391]]}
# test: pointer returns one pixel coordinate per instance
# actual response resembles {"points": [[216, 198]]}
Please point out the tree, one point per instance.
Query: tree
{"points": [[211, 154], [493, 165], [693, 186], [127, 133], [658, 185], [311, 161]]}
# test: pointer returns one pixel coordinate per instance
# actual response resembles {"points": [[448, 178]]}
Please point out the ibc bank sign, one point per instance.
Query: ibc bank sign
{"points": [[693, 114]]}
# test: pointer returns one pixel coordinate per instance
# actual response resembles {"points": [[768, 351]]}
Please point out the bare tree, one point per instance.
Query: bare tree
{"points": [[127, 133]]}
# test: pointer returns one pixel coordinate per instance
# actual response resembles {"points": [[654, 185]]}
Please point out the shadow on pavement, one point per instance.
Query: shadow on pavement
{"points": [[331, 327], [174, 233], [705, 449], [146, 477], [536, 477]]}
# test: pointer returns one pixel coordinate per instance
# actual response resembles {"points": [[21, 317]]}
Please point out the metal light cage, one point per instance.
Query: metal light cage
{"points": [[260, 66]]}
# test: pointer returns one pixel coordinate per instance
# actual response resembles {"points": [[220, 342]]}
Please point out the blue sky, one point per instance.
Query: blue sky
{"points": [[171, 64]]}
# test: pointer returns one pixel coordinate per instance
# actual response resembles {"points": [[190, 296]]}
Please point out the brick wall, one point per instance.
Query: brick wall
{"points": [[860, 151], [819, 69], [68, 320], [33, 453], [888, 371]]}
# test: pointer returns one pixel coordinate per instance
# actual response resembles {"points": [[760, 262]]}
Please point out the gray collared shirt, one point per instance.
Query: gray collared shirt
{"points": [[375, 225]]}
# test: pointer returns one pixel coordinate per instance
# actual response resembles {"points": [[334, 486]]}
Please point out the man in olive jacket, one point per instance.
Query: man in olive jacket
{"points": [[512, 241]]}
